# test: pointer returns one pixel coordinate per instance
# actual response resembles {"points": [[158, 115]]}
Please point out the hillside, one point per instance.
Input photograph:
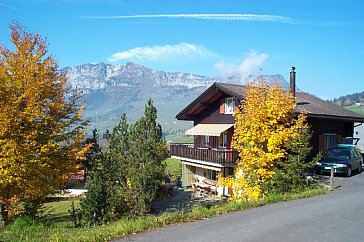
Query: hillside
{"points": [[353, 102], [349, 100]]}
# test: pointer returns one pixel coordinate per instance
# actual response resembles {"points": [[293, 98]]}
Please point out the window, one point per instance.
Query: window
{"points": [[229, 105], [330, 140], [211, 174], [205, 141], [223, 140]]}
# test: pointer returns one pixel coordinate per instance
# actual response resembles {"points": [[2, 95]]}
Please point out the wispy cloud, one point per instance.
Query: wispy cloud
{"points": [[8, 6], [162, 53], [225, 17], [240, 72]]}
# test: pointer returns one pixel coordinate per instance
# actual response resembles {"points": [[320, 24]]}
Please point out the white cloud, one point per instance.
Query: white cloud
{"points": [[240, 72], [162, 53], [225, 16]]}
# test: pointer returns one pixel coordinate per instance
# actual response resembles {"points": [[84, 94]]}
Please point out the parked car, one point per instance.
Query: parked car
{"points": [[342, 158]]}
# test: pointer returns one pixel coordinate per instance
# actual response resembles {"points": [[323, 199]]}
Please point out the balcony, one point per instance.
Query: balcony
{"points": [[216, 156]]}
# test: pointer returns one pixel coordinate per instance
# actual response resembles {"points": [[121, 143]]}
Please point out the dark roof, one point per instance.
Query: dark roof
{"points": [[306, 103], [316, 107]]}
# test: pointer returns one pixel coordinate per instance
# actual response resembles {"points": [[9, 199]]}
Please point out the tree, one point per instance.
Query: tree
{"points": [[93, 155], [290, 172], [148, 150], [41, 127], [265, 125], [94, 208], [130, 173]]}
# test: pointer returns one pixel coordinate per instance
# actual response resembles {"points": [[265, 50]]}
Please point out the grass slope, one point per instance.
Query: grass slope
{"points": [[356, 109]]}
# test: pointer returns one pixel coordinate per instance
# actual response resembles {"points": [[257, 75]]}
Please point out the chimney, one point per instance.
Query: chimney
{"points": [[292, 81]]}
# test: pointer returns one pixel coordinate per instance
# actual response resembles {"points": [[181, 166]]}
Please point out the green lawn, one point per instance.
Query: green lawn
{"points": [[174, 167]]}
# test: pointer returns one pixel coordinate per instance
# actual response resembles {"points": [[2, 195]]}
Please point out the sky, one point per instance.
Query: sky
{"points": [[323, 39]]}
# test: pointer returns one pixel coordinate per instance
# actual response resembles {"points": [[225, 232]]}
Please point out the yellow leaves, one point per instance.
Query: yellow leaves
{"points": [[264, 125], [41, 133], [128, 183]]}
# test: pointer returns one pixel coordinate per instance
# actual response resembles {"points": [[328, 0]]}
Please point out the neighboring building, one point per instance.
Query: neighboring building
{"points": [[359, 133], [213, 129]]}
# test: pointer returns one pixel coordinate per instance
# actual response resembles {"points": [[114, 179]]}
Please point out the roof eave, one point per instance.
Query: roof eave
{"points": [[340, 118]]}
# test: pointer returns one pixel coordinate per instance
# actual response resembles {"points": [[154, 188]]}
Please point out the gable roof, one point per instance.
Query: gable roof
{"points": [[306, 103]]}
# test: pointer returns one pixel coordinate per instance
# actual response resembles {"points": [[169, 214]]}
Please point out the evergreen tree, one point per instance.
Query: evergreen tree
{"points": [[290, 173], [94, 208], [130, 173], [148, 150], [117, 167], [93, 154]]}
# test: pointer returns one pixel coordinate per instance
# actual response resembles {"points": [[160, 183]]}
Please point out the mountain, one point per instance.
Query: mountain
{"points": [[110, 90]]}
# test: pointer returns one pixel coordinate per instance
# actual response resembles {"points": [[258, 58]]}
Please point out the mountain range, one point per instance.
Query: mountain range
{"points": [[110, 90]]}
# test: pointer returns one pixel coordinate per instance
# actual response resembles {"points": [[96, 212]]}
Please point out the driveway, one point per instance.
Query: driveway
{"points": [[336, 216]]}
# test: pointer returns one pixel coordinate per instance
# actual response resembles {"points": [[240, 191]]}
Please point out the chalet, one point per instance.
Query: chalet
{"points": [[211, 113]]}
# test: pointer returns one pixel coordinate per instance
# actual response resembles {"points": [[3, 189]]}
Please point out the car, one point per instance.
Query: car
{"points": [[343, 159]]}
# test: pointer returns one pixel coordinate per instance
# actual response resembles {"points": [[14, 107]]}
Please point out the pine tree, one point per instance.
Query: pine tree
{"points": [[117, 167], [93, 155], [290, 173], [94, 208], [148, 151], [132, 170]]}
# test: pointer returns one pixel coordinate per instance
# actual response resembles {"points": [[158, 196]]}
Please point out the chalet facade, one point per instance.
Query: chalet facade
{"points": [[211, 112]]}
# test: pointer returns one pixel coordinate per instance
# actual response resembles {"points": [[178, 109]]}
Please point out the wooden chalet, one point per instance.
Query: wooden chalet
{"points": [[213, 130]]}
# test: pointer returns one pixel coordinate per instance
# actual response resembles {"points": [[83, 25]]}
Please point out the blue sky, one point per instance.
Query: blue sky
{"points": [[324, 39]]}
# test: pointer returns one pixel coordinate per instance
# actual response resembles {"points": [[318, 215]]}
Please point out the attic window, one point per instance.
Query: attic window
{"points": [[229, 105]]}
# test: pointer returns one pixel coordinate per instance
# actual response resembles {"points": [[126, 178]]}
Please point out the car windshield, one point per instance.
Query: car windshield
{"points": [[338, 153]]}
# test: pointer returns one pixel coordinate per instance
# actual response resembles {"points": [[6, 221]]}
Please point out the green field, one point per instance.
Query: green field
{"points": [[356, 109]]}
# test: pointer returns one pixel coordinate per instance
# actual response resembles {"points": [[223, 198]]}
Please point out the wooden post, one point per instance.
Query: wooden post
{"points": [[332, 178]]}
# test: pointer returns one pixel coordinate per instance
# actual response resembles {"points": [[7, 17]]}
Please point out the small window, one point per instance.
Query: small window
{"points": [[223, 140], [230, 105]]}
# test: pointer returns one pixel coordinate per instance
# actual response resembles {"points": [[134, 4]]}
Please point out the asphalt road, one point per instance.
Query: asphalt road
{"points": [[336, 216]]}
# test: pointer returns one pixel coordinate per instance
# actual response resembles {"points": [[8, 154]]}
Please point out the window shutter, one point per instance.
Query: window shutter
{"points": [[321, 144], [222, 106]]}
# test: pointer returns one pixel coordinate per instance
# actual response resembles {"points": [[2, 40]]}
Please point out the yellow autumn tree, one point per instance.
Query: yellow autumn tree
{"points": [[41, 127], [265, 123]]}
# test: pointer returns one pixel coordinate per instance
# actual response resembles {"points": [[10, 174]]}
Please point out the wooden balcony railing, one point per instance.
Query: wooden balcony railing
{"points": [[217, 156]]}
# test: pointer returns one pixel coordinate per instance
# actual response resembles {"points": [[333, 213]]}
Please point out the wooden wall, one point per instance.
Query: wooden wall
{"points": [[327, 126]]}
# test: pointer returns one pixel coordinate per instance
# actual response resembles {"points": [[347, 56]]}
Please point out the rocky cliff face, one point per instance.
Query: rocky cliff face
{"points": [[91, 77]]}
